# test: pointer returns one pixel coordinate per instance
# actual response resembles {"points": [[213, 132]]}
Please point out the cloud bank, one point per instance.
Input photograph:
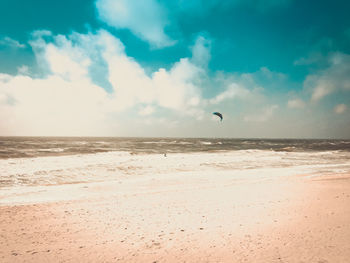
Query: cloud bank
{"points": [[66, 101], [66, 98], [89, 85]]}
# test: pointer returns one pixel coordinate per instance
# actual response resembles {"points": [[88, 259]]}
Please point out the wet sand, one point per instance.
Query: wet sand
{"points": [[183, 218]]}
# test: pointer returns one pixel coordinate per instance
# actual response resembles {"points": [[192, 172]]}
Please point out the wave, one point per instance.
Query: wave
{"points": [[206, 143], [55, 150], [55, 170], [14, 147]]}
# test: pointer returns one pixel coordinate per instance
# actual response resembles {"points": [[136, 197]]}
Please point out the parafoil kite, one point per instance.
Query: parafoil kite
{"points": [[218, 114]]}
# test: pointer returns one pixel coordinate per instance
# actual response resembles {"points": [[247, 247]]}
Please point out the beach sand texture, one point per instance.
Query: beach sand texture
{"points": [[182, 216]]}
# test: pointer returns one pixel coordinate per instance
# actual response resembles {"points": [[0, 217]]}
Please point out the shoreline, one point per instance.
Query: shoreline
{"points": [[185, 219]]}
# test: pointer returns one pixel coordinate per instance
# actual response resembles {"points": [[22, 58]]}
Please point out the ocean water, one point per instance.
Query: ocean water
{"points": [[45, 161], [24, 147]]}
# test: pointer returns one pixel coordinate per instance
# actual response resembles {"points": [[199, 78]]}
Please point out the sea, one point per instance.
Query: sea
{"points": [[47, 161], [29, 147]]}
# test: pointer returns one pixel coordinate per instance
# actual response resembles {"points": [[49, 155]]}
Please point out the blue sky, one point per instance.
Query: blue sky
{"points": [[160, 68]]}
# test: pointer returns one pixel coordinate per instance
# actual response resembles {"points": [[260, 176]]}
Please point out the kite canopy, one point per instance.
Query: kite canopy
{"points": [[218, 114]]}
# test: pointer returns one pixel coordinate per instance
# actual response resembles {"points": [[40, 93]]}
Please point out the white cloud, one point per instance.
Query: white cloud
{"points": [[130, 83], [7, 41], [147, 19], [201, 51], [336, 77], [148, 110], [296, 104], [3, 99], [66, 61], [262, 116], [234, 90], [64, 102], [175, 89], [23, 70], [264, 77], [313, 58], [340, 108], [67, 102], [4, 77], [322, 88], [270, 75], [52, 106], [247, 87]]}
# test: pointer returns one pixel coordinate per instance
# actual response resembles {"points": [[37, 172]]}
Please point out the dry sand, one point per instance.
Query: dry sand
{"points": [[184, 219]]}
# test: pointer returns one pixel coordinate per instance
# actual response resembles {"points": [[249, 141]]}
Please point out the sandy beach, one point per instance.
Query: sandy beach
{"points": [[181, 217], [159, 131]]}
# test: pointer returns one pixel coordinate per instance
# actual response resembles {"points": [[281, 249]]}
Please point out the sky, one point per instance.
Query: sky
{"points": [[273, 68]]}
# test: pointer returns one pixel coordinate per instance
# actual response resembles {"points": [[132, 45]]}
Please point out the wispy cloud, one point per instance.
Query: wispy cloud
{"points": [[296, 104], [23, 70], [262, 116], [7, 41], [234, 90], [150, 19], [201, 51], [145, 111], [336, 77], [146, 19], [340, 108]]}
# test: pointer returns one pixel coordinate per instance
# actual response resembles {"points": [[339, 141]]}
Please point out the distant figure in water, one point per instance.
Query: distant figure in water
{"points": [[164, 154]]}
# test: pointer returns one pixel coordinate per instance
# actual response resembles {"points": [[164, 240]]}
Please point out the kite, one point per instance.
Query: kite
{"points": [[218, 114]]}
